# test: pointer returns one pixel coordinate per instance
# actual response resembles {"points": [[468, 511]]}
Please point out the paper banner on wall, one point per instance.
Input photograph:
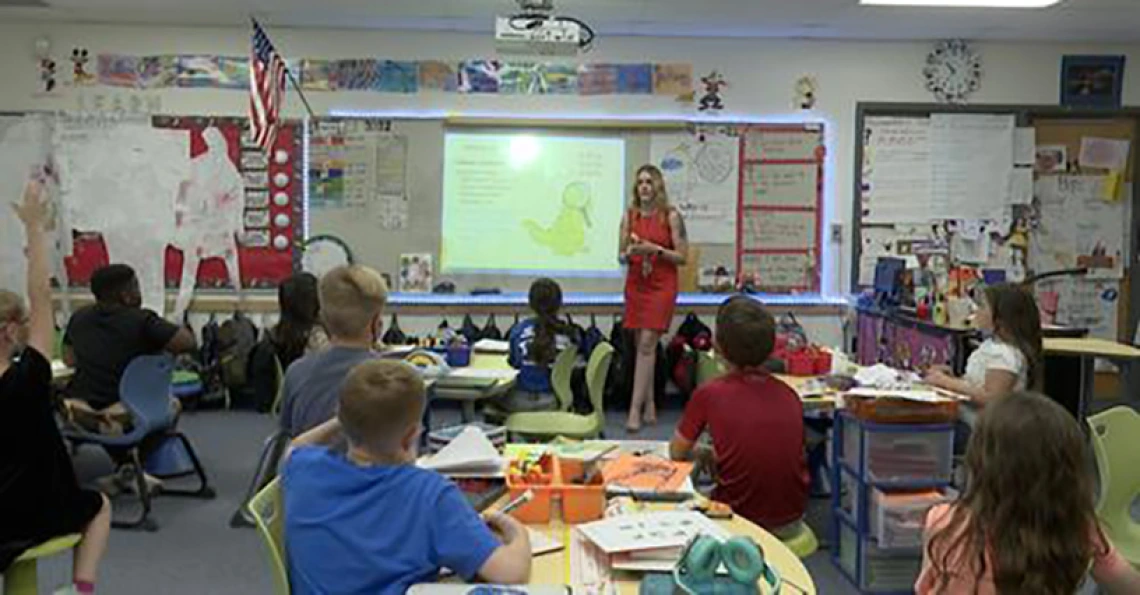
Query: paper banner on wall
{"points": [[24, 153], [394, 76], [781, 185], [1104, 153], [219, 72], [896, 170], [597, 79], [108, 176], [780, 271], [208, 216], [116, 70], [318, 75], [672, 79], [437, 76], [355, 75], [479, 76], [635, 79], [156, 72], [701, 180], [782, 145], [971, 158], [1077, 228], [1090, 304], [778, 230]]}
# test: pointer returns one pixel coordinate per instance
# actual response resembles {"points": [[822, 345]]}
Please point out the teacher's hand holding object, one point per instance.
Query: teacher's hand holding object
{"points": [[654, 243]]}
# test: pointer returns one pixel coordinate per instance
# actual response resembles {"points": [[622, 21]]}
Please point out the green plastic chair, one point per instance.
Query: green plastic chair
{"points": [[803, 543], [544, 424], [708, 367], [268, 510], [1116, 439], [560, 373], [22, 577]]}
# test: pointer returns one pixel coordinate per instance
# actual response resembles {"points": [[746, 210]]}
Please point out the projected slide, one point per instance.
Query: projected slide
{"points": [[527, 203]]}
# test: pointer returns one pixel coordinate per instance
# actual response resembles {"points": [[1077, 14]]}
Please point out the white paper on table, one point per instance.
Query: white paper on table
{"points": [[468, 373], [492, 346], [1025, 146], [1021, 186], [470, 451], [884, 377], [649, 530], [541, 543], [1104, 153], [971, 157], [920, 395]]}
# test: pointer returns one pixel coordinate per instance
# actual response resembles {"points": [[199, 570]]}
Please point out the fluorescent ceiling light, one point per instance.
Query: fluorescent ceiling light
{"points": [[964, 3]]}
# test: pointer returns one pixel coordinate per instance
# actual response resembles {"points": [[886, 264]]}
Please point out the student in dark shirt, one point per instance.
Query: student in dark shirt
{"points": [[102, 338], [39, 496], [100, 341]]}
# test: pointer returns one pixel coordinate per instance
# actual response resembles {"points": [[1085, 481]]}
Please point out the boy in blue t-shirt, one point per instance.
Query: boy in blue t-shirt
{"points": [[370, 521]]}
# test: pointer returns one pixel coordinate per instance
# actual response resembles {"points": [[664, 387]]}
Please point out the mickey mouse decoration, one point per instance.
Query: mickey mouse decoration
{"points": [[713, 83], [805, 93], [79, 59]]}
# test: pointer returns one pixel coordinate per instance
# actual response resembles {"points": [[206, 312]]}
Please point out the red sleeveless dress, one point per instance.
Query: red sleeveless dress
{"points": [[650, 299]]}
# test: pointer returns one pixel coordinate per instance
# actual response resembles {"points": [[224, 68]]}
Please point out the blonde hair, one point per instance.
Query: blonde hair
{"points": [[11, 307], [659, 193], [351, 297], [379, 401]]}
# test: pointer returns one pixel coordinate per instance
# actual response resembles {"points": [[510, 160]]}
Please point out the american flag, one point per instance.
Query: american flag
{"points": [[266, 89]]}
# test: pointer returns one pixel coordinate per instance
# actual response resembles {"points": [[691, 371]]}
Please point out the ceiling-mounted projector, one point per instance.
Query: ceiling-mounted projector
{"points": [[538, 31]]}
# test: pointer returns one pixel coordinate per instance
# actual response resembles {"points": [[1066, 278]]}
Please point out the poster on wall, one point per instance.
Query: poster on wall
{"points": [[701, 180]]}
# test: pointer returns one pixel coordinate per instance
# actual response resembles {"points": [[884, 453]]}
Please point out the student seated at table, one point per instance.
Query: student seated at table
{"points": [[299, 332], [1010, 358], [534, 344], [100, 342], [352, 308], [103, 338], [370, 521], [1026, 522], [39, 496], [755, 421]]}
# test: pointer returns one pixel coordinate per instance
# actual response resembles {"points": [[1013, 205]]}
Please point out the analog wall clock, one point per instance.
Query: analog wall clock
{"points": [[953, 71]]}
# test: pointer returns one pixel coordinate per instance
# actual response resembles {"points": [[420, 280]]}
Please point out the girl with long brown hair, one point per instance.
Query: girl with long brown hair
{"points": [[1026, 521], [653, 243], [1010, 358], [534, 345]]}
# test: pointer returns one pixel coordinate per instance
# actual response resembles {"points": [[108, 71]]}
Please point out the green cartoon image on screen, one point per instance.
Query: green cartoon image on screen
{"points": [[566, 236]]}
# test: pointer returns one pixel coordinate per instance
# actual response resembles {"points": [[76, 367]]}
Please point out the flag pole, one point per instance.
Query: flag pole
{"points": [[292, 79]]}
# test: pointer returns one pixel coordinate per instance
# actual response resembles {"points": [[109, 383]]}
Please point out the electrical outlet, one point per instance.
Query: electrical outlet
{"points": [[836, 233]]}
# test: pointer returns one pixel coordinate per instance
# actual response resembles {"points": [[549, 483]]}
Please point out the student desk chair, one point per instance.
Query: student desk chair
{"points": [[22, 577]]}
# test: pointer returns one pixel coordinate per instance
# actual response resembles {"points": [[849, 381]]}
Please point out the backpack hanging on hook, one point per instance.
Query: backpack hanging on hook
{"points": [[491, 330], [394, 335]]}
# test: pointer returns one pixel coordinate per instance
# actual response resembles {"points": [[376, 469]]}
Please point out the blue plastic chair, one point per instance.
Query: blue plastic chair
{"points": [[145, 390]]}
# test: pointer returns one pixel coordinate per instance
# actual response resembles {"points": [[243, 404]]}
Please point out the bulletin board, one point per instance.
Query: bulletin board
{"points": [[377, 234], [273, 211], [1059, 209], [779, 214]]}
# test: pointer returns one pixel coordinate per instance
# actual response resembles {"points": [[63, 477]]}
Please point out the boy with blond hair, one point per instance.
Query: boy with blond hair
{"points": [[352, 305], [369, 520]]}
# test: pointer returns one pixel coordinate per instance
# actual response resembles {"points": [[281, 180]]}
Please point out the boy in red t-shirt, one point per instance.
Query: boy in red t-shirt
{"points": [[756, 424]]}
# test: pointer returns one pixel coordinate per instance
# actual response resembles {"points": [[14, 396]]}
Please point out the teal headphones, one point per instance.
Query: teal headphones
{"points": [[695, 574]]}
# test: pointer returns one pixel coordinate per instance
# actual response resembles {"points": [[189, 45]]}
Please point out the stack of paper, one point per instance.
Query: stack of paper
{"points": [[646, 476], [922, 396], [650, 531], [470, 454], [885, 377], [492, 346]]}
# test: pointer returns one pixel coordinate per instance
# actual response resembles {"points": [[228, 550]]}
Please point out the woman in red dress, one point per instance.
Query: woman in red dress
{"points": [[653, 243]]}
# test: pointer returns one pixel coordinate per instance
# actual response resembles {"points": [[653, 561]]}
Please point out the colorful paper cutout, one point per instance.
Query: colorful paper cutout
{"points": [[672, 79], [437, 76]]}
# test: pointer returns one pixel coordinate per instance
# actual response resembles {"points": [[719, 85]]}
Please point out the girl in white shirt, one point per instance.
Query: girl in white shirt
{"points": [[1010, 358]]}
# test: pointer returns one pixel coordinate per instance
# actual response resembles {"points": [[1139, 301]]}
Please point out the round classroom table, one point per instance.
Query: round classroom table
{"points": [[554, 568]]}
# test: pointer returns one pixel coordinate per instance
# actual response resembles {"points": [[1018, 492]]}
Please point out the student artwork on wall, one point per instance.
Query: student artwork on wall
{"points": [[416, 273], [377, 75]]}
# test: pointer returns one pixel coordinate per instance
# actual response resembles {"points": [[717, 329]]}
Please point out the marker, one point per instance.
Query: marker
{"points": [[523, 498]]}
